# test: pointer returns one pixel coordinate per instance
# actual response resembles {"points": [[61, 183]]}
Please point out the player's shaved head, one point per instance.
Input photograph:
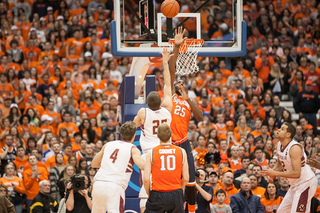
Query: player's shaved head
{"points": [[290, 129], [154, 100], [164, 132], [128, 130]]}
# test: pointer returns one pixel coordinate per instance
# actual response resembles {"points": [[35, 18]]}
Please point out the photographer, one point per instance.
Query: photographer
{"points": [[204, 192], [78, 198]]}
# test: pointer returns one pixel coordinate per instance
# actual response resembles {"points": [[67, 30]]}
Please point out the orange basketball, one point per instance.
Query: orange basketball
{"points": [[170, 8]]}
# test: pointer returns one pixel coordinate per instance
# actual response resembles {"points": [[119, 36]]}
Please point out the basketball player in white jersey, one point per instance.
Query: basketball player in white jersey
{"points": [[292, 160], [150, 119], [115, 161]]}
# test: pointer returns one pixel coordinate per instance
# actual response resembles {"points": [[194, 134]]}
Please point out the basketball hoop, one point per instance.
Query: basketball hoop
{"points": [[188, 54]]}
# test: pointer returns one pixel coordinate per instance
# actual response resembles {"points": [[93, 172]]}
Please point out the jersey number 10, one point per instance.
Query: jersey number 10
{"points": [[168, 163]]}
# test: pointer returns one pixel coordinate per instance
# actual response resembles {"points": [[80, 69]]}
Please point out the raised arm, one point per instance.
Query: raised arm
{"points": [[178, 39], [167, 91], [96, 162]]}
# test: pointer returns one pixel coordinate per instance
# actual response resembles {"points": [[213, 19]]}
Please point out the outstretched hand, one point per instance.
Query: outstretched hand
{"points": [[178, 36], [166, 55]]}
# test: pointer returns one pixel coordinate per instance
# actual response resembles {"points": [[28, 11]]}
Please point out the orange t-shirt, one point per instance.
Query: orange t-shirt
{"points": [[234, 166], [56, 118], [6, 89], [259, 191], [181, 114], [271, 205], [167, 161], [20, 163], [264, 164], [77, 43], [39, 108], [32, 184], [71, 128], [19, 186], [92, 111], [51, 162]]}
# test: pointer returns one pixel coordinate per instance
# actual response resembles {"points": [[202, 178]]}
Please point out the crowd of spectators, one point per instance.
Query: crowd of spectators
{"points": [[59, 93]]}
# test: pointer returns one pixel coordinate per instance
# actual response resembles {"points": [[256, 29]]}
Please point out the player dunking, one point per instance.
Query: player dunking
{"points": [[182, 106], [150, 118], [115, 161], [168, 166], [292, 159]]}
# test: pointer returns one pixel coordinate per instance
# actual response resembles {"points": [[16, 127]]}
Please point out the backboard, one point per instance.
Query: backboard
{"points": [[139, 28]]}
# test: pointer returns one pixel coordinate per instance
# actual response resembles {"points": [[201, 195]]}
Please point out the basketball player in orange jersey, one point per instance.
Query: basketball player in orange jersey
{"points": [[292, 160], [167, 166], [115, 162], [150, 118], [181, 115]]}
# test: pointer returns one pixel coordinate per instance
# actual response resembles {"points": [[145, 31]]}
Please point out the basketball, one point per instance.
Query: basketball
{"points": [[170, 8]]}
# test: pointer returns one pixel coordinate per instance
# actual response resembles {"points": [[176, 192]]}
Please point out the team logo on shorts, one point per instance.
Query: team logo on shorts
{"points": [[302, 208]]}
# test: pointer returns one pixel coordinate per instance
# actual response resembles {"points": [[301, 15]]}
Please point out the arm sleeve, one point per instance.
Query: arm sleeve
{"points": [[28, 182], [36, 207], [259, 207], [20, 188], [10, 206]]}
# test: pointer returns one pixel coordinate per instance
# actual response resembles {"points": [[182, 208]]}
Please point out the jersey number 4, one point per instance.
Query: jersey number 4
{"points": [[114, 155], [168, 162], [179, 110], [157, 124]]}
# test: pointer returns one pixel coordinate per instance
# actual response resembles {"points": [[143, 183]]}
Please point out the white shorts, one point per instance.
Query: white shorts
{"points": [[107, 196], [143, 194], [298, 198]]}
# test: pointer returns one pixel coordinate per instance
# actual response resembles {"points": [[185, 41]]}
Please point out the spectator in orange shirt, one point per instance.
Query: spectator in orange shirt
{"points": [[5, 88], [71, 127], [255, 189], [90, 109], [263, 65], [31, 179], [5, 107], [33, 104], [226, 183], [76, 41], [271, 200], [235, 161], [257, 128], [21, 159], [256, 109], [51, 161]]}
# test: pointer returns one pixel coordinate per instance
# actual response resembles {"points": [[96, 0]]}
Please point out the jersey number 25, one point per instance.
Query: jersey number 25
{"points": [[179, 110]]}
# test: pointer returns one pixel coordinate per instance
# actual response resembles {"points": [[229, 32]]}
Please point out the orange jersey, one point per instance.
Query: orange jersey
{"points": [[92, 111], [181, 114], [32, 184], [221, 129], [166, 168], [235, 166], [270, 205]]}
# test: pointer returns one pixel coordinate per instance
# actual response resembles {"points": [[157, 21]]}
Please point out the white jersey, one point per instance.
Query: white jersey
{"points": [[153, 119], [285, 159], [116, 163]]}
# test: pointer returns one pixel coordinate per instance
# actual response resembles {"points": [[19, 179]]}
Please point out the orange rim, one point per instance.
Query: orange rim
{"points": [[188, 42]]}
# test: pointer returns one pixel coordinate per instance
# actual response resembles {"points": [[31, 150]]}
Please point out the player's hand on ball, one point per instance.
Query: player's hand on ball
{"points": [[166, 55], [178, 36]]}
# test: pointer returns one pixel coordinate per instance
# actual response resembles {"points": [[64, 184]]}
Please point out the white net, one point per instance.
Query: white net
{"points": [[188, 54]]}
